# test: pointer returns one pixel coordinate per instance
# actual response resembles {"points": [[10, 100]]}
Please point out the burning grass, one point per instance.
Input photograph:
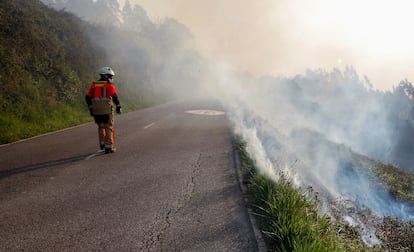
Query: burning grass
{"points": [[400, 183], [291, 220]]}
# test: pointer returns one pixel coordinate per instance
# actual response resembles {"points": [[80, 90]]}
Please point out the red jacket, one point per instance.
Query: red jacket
{"points": [[102, 90]]}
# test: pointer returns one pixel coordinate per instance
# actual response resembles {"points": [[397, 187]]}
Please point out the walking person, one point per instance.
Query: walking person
{"points": [[102, 100]]}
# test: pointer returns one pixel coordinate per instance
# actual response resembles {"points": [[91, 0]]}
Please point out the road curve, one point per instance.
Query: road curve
{"points": [[171, 186]]}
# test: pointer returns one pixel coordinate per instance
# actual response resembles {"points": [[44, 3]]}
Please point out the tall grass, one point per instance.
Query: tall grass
{"points": [[290, 220]]}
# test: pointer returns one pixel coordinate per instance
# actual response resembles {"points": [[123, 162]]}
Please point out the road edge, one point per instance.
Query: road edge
{"points": [[261, 244]]}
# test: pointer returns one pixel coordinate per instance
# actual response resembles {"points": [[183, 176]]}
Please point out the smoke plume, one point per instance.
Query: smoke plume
{"points": [[324, 130]]}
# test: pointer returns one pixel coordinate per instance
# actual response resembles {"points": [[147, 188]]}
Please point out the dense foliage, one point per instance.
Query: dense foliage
{"points": [[45, 60]]}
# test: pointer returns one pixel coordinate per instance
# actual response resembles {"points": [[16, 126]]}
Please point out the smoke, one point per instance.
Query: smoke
{"points": [[324, 129], [151, 59]]}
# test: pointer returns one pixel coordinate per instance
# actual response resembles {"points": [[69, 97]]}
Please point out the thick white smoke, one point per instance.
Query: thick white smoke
{"points": [[324, 129]]}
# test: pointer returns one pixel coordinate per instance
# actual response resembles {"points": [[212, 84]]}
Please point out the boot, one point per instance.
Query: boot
{"points": [[110, 150]]}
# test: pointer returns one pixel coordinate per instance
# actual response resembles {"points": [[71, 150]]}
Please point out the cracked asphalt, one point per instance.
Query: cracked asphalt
{"points": [[171, 186]]}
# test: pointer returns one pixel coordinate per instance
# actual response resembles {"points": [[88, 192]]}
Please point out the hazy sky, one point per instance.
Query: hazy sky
{"points": [[288, 36]]}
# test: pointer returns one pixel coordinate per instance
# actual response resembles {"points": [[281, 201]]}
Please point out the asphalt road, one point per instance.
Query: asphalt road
{"points": [[171, 186]]}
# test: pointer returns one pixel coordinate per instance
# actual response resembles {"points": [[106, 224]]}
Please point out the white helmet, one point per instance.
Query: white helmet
{"points": [[106, 71]]}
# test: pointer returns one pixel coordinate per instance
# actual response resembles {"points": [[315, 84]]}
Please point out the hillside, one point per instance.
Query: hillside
{"points": [[46, 61], [49, 57]]}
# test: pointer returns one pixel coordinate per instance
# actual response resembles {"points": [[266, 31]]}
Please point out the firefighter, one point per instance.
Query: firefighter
{"points": [[101, 99]]}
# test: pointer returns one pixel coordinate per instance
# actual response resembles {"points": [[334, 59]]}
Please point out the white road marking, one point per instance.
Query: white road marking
{"points": [[149, 125], [94, 155], [205, 112]]}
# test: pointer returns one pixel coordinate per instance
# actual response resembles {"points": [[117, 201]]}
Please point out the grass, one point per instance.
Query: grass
{"points": [[14, 128], [400, 183], [289, 219], [35, 122]]}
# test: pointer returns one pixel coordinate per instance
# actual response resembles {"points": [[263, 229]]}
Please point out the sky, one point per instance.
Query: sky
{"points": [[286, 37]]}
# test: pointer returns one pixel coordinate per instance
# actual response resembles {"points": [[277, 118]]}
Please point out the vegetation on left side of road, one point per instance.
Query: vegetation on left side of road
{"points": [[45, 60], [48, 57]]}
